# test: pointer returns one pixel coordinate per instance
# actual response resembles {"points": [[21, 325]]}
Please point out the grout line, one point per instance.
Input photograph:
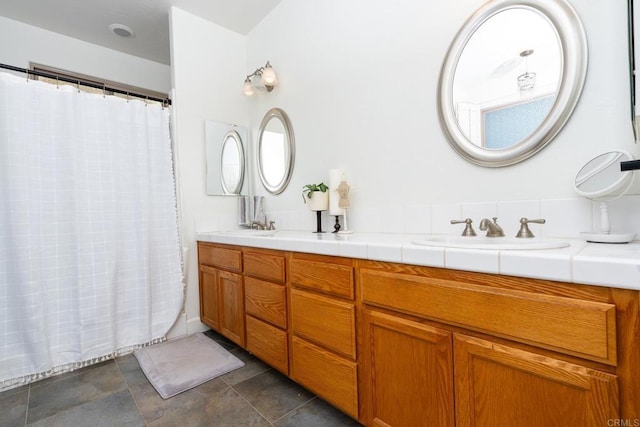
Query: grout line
{"points": [[26, 412], [135, 401], [296, 408], [250, 405]]}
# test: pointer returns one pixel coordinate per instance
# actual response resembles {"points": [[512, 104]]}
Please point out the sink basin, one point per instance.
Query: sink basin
{"points": [[250, 232], [495, 243]]}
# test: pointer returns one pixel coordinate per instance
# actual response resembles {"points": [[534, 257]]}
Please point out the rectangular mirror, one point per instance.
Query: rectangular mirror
{"points": [[226, 159]]}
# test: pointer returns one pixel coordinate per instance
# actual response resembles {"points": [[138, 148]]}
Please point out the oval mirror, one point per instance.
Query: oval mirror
{"points": [[232, 163], [276, 151], [226, 160], [511, 79]]}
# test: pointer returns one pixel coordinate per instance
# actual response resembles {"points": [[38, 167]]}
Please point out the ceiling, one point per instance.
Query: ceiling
{"points": [[89, 20]]}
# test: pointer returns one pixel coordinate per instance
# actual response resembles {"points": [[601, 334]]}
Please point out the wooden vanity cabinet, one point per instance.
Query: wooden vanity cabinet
{"points": [[266, 307], [222, 290], [401, 345], [469, 349], [322, 317]]}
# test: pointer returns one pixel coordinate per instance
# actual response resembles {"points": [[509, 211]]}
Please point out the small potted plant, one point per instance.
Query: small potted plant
{"points": [[318, 195]]}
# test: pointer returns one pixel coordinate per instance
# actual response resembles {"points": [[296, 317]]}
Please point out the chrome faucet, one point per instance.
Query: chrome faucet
{"points": [[258, 225], [271, 225], [492, 227]]}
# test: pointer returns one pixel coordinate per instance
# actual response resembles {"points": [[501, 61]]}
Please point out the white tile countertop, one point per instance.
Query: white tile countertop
{"points": [[614, 265]]}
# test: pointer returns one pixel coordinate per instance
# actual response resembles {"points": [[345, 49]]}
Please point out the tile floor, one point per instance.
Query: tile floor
{"points": [[117, 393]]}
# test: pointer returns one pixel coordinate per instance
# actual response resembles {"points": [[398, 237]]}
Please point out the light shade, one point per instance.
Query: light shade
{"points": [[269, 76], [527, 80], [247, 87], [527, 84]]}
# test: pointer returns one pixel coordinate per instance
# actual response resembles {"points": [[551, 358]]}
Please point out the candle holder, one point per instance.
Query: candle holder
{"points": [[336, 226]]}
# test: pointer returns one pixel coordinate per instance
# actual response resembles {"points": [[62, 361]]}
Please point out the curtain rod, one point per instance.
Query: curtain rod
{"points": [[164, 101]]}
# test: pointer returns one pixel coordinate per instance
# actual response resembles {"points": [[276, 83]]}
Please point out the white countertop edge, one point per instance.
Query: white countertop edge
{"points": [[584, 263]]}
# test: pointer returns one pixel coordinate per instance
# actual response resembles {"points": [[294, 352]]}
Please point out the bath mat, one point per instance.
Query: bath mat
{"points": [[178, 365]]}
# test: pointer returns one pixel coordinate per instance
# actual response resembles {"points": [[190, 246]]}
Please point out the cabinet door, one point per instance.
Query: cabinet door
{"points": [[410, 372], [231, 307], [209, 297], [497, 385]]}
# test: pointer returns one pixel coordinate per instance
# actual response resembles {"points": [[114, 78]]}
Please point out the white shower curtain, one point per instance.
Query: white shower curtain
{"points": [[89, 249]]}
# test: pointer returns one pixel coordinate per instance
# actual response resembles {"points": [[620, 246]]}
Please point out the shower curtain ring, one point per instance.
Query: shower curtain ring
{"points": [[78, 85], [104, 90], [57, 82], [27, 71]]}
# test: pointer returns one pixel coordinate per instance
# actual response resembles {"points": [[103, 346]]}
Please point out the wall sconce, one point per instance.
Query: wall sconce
{"points": [[267, 80]]}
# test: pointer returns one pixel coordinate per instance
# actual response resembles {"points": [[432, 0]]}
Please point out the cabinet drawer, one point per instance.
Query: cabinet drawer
{"points": [[325, 321], [264, 266], [268, 343], [266, 301], [331, 377], [334, 279], [583, 328], [223, 258]]}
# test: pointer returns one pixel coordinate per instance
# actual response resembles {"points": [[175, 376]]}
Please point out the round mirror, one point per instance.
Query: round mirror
{"points": [[511, 79], [602, 179], [276, 151], [232, 163]]}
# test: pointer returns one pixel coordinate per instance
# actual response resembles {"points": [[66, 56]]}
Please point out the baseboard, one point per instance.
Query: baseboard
{"points": [[195, 325]]}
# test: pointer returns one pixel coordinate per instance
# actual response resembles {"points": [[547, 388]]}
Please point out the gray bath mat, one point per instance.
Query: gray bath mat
{"points": [[178, 365]]}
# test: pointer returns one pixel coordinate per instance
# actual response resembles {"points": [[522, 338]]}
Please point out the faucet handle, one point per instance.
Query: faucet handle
{"points": [[272, 225], [468, 229], [524, 231]]}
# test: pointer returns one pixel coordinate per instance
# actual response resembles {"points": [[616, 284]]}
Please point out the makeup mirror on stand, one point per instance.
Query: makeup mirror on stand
{"points": [[602, 180]]}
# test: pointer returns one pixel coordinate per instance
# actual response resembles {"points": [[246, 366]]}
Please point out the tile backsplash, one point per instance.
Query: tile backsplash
{"points": [[564, 217]]}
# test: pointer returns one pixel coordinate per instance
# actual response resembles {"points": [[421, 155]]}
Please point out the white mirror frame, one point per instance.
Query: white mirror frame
{"points": [[277, 113], [573, 42]]}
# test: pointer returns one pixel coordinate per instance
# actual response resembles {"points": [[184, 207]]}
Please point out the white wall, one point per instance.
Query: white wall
{"points": [[208, 69], [359, 82], [23, 44]]}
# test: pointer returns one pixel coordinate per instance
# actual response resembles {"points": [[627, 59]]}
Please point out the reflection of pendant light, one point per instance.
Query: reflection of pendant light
{"points": [[526, 81]]}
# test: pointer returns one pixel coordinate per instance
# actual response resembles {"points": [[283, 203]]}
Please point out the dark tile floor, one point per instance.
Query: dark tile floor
{"points": [[117, 393]]}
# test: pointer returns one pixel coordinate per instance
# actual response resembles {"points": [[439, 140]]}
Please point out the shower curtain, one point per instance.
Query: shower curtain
{"points": [[89, 249]]}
